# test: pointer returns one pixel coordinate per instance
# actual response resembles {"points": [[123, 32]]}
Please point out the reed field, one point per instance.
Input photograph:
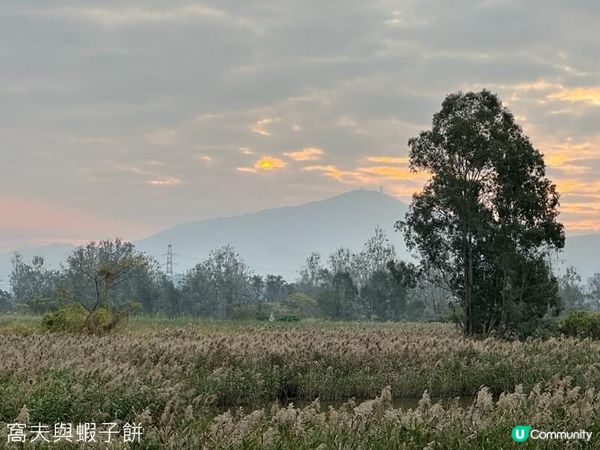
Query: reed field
{"points": [[227, 385]]}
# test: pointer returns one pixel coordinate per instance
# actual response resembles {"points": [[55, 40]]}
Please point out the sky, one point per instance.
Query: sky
{"points": [[124, 118]]}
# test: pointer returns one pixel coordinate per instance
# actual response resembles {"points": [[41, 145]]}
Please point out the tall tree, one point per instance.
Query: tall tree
{"points": [[377, 252], [257, 287], [377, 296], [94, 272], [33, 284], [403, 279], [342, 260], [276, 289], [487, 202], [570, 289], [219, 285], [339, 299], [312, 275]]}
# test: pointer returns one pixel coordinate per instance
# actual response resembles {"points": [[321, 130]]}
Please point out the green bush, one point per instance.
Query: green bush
{"points": [[74, 318], [100, 321], [104, 320], [69, 318], [580, 324]]}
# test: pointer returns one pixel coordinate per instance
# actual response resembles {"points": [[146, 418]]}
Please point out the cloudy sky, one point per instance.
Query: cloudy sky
{"points": [[123, 118]]}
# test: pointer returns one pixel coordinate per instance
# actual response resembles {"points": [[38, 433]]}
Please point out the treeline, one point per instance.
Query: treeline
{"points": [[578, 296], [370, 284]]}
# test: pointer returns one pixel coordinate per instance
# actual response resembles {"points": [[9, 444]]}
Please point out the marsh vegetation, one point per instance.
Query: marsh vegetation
{"points": [[208, 384]]}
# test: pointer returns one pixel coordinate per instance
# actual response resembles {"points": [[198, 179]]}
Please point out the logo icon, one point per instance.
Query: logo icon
{"points": [[520, 433]]}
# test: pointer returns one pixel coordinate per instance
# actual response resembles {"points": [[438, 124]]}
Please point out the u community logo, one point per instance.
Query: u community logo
{"points": [[520, 433]]}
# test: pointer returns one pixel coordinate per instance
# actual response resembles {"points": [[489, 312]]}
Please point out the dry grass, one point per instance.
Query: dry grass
{"points": [[177, 377]]}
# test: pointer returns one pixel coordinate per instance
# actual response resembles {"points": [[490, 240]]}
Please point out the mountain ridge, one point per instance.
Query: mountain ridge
{"points": [[278, 240]]}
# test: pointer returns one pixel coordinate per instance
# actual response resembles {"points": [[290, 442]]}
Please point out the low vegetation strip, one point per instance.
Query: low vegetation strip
{"points": [[198, 370]]}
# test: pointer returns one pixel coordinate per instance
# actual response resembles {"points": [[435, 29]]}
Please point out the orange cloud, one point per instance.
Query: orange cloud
{"points": [[571, 157], [589, 95], [306, 154], [328, 170], [575, 186], [404, 190], [397, 173], [388, 159], [370, 175], [393, 173], [567, 163], [401, 182], [267, 163], [581, 225], [584, 209], [539, 85]]}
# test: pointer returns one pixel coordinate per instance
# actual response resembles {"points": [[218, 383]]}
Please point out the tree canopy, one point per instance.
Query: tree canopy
{"points": [[487, 215]]}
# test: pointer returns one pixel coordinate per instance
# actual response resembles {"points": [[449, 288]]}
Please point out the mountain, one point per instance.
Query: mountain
{"points": [[273, 241], [279, 240]]}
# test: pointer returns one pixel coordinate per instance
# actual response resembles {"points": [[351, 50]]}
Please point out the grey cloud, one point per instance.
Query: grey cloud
{"points": [[85, 88]]}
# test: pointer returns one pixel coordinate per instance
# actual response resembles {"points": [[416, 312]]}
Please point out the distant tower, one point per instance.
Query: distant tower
{"points": [[170, 261], [381, 189]]}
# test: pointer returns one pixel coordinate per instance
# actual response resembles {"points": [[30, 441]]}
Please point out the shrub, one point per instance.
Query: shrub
{"points": [[105, 319], [73, 317], [100, 321], [581, 324], [69, 318]]}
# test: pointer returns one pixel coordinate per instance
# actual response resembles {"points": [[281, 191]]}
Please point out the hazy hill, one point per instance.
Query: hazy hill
{"points": [[279, 240], [272, 241]]}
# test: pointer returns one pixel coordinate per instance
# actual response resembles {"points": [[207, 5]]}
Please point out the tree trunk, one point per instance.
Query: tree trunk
{"points": [[468, 286]]}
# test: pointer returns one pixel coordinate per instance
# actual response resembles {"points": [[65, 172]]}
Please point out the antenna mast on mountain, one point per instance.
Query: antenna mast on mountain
{"points": [[170, 261]]}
